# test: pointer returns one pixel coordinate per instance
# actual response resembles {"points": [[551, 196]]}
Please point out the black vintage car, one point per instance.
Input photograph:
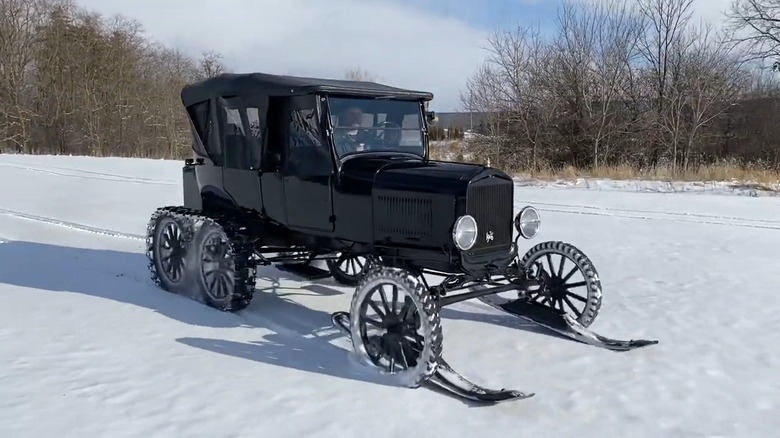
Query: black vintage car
{"points": [[289, 171]]}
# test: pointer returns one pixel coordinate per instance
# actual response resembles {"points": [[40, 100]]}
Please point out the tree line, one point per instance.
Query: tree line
{"points": [[636, 82], [632, 82], [72, 82]]}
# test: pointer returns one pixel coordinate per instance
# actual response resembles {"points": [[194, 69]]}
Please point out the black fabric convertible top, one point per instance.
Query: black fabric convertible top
{"points": [[228, 84]]}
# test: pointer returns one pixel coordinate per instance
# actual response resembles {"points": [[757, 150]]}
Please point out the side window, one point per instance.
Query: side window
{"points": [[241, 148], [307, 154], [253, 116], [304, 129], [199, 114], [254, 133]]}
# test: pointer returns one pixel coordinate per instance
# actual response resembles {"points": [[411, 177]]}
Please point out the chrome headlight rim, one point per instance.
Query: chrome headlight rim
{"points": [[456, 229], [521, 218]]}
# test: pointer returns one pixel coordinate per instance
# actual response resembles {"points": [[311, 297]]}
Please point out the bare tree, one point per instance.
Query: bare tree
{"points": [[663, 46], [19, 20], [358, 74], [711, 79], [755, 25], [211, 65], [510, 91], [594, 51]]}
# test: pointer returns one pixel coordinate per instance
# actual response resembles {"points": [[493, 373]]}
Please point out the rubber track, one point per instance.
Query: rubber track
{"points": [[239, 242]]}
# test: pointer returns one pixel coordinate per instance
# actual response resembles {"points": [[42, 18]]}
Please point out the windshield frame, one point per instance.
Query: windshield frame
{"points": [[331, 129]]}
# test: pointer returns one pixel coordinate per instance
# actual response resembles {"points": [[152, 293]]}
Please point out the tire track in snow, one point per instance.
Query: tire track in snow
{"points": [[71, 225], [88, 174]]}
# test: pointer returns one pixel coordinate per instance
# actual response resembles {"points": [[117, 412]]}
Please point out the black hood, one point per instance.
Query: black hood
{"points": [[411, 174]]}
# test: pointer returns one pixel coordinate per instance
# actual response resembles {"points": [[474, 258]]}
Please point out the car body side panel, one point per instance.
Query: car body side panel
{"points": [[243, 186]]}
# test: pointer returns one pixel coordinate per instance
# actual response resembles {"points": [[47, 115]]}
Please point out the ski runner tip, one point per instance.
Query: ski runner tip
{"points": [[561, 323], [447, 378]]}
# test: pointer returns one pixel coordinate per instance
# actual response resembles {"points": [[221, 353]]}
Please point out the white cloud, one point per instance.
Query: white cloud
{"points": [[402, 46], [711, 10]]}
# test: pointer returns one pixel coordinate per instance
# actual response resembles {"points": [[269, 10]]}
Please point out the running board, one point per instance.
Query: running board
{"points": [[447, 379], [559, 322]]}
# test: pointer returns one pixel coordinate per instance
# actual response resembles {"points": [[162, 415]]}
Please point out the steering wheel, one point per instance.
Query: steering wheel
{"points": [[391, 133]]}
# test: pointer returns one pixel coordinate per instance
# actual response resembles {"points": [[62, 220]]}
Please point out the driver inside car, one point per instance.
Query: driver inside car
{"points": [[351, 140]]}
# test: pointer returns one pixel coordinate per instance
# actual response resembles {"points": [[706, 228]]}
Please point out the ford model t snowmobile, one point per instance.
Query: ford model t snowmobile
{"points": [[288, 170]]}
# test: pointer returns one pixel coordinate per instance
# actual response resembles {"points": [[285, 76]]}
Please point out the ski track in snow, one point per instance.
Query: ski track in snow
{"points": [[660, 215], [587, 208], [91, 346], [85, 174], [70, 225]]}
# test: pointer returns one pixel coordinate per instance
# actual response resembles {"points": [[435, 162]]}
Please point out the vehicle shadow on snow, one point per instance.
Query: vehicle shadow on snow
{"points": [[508, 321], [301, 340], [301, 337], [301, 334], [118, 276]]}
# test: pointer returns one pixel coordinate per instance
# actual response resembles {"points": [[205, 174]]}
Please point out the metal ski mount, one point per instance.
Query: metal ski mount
{"points": [[447, 379]]}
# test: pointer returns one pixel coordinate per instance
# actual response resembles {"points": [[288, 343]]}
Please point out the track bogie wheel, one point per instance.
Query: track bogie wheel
{"points": [[221, 275], [168, 245]]}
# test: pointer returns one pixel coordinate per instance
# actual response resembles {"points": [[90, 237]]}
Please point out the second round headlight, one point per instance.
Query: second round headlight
{"points": [[528, 222]]}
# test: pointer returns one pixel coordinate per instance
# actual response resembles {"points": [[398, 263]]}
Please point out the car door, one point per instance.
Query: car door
{"points": [[308, 167], [241, 153]]}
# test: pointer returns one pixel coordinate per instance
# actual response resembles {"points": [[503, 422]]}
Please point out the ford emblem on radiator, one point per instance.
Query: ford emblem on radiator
{"points": [[489, 236]]}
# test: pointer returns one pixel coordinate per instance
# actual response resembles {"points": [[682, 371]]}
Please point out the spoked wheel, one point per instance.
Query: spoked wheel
{"points": [[216, 267], [395, 326], [348, 269], [218, 277], [167, 244], [570, 283]]}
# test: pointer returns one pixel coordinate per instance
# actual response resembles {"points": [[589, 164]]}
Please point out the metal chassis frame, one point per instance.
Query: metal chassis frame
{"points": [[517, 277]]}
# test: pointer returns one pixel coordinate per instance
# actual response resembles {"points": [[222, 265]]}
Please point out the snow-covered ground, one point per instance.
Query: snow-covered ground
{"points": [[89, 347]]}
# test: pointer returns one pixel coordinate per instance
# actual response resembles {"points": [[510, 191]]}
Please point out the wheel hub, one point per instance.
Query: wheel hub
{"points": [[171, 251], [395, 338], [215, 267], [555, 288]]}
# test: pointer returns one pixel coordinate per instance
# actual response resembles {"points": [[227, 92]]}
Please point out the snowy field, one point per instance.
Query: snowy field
{"points": [[90, 348]]}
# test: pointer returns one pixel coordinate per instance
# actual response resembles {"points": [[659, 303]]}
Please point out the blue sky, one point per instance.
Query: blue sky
{"points": [[431, 45]]}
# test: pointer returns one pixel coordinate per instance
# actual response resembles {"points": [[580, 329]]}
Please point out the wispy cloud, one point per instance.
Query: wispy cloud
{"points": [[401, 44], [433, 45]]}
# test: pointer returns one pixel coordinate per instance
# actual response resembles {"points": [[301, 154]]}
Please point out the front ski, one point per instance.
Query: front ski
{"points": [[559, 322], [450, 380], [447, 378]]}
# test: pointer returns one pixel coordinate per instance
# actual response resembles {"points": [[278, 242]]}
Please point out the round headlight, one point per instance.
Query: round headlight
{"points": [[527, 222], [464, 233]]}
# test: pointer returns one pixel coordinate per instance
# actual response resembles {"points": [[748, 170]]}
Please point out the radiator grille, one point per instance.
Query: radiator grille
{"points": [[490, 202], [405, 216]]}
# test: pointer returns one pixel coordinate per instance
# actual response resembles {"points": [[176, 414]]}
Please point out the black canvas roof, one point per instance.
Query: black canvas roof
{"points": [[228, 84]]}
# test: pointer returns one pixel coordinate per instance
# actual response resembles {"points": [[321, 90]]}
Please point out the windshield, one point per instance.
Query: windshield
{"points": [[370, 125]]}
